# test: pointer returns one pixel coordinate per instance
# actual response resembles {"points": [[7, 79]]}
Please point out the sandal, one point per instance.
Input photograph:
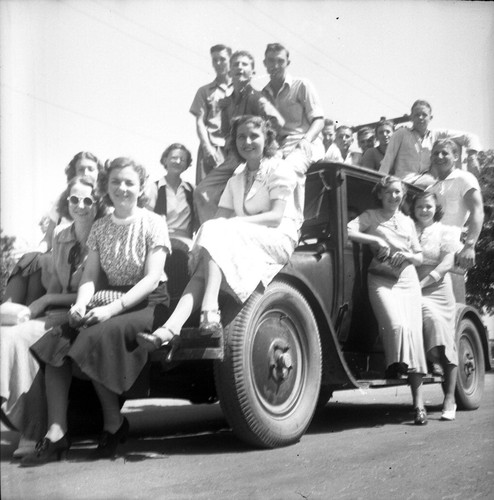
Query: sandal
{"points": [[152, 342], [210, 323]]}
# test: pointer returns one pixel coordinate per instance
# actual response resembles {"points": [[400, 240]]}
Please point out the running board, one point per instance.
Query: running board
{"points": [[389, 382], [194, 346]]}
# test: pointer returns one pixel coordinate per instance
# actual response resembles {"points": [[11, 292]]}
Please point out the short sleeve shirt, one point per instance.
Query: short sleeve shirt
{"points": [[123, 246], [298, 103], [275, 180], [399, 232], [206, 102], [450, 193]]}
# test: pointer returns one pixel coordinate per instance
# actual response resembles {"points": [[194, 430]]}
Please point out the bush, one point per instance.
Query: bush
{"points": [[480, 278], [7, 260]]}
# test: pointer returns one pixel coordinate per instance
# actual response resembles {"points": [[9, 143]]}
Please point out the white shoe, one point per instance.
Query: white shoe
{"points": [[449, 414], [25, 447]]}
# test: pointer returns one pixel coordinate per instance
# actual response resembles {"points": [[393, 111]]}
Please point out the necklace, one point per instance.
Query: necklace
{"points": [[250, 176]]}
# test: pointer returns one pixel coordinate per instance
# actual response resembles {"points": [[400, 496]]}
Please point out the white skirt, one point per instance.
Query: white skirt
{"points": [[246, 253]]}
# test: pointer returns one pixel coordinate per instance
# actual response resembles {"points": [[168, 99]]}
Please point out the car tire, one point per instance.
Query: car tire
{"points": [[471, 366], [268, 383]]}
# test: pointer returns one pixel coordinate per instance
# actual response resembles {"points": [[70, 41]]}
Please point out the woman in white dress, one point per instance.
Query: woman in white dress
{"points": [[439, 244], [255, 231], [394, 289], [22, 388]]}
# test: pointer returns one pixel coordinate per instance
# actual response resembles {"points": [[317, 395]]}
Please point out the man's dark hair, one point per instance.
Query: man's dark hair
{"points": [[219, 48], [276, 47]]}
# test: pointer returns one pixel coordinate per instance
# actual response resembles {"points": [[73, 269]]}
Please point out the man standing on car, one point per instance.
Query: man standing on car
{"points": [[298, 103], [207, 113]]}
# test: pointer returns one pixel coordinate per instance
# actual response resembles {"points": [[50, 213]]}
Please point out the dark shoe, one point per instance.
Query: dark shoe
{"points": [[108, 443], [420, 416], [396, 370], [47, 451], [210, 323], [152, 342]]}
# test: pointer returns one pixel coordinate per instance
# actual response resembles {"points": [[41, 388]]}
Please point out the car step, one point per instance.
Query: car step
{"points": [[194, 346], [383, 382]]}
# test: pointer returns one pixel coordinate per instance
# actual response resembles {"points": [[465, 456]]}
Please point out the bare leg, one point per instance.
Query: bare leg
{"points": [[213, 283], [110, 405], [415, 381], [57, 382], [188, 303], [450, 373]]}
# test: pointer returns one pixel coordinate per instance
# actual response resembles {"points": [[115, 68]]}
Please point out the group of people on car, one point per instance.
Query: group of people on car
{"points": [[106, 263]]}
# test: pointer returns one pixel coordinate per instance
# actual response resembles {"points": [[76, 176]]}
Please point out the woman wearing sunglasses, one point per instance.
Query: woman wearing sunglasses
{"points": [[31, 276], [129, 248], [22, 388]]}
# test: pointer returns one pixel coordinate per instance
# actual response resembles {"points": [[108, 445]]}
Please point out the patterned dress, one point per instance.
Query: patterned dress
{"points": [[394, 293], [108, 352]]}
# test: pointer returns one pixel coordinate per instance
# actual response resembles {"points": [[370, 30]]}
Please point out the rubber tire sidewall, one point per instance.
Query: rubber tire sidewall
{"points": [[470, 400], [234, 376]]}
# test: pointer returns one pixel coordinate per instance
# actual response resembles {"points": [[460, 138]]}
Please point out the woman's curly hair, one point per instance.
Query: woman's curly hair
{"points": [[63, 204], [119, 163], [385, 182], [270, 146], [70, 169], [438, 215]]}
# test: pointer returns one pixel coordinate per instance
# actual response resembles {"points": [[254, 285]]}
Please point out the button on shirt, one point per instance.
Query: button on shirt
{"points": [[206, 102], [178, 212], [298, 103], [409, 155]]}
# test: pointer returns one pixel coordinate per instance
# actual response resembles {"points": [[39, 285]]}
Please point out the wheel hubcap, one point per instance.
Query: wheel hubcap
{"points": [[468, 370], [277, 363]]}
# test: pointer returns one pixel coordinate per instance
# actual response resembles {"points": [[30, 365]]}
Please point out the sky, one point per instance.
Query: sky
{"points": [[117, 77]]}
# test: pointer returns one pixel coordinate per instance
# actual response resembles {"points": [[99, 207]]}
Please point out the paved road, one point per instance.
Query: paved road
{"points": [[362, 445]]}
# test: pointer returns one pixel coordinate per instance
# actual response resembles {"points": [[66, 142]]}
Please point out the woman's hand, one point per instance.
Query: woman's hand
{"points": [[76, 316], [381, 249], [398, 258], [98, 315], [38, 306]]}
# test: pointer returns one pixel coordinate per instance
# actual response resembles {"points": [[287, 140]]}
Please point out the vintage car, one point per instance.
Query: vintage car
{"points": [[310, 333]]}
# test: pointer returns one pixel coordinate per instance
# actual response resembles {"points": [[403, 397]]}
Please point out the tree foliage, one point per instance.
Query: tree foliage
{"points": [[7, 260], [480, 279]]}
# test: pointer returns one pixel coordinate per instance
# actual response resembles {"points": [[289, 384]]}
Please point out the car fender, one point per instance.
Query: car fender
{"points": [[464, 311], [335, 369]]}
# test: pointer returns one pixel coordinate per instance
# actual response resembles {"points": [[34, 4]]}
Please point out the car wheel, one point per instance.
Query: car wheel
{"points": [[268, 383], [471, 367]]}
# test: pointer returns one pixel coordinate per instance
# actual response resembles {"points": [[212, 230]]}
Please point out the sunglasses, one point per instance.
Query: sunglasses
{"points": [[75, 200]]}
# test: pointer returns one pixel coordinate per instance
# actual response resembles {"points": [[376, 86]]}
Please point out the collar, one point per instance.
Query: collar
{"points": [[427, 134], [288, 83], [67, 234], [185, 185], [224, 86], [454, 174]]}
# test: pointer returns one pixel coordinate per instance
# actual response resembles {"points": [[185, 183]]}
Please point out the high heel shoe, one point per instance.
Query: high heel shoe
{"points": [[449, 414], [210, 323], [108, 442], [420, 416], [152, 342], [47, 451]]}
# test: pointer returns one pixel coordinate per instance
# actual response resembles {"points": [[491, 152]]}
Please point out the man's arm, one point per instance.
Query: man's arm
{"points": [[315, 129], [202, 133], [473, 200]]}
